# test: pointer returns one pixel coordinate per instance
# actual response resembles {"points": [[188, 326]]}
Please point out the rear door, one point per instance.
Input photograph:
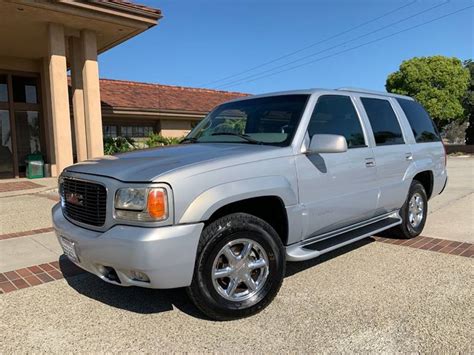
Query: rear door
{"points": [[393, 156], [337, 189]]}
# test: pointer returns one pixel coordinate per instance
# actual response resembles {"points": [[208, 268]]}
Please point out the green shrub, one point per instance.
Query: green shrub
{"points": [[157, 140], [234, 125], [118, 145]]}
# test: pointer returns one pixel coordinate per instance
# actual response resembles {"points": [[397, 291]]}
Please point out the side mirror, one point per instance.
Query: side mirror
{"points": [[327, 143]]}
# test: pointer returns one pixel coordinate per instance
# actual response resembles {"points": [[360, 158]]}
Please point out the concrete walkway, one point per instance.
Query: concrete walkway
{"points": [[25, 212], [451, 214], [17, 253]]}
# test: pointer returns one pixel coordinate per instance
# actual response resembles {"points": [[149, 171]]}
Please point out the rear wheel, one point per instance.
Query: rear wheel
{"points": [[239, 267], [413, 212]]}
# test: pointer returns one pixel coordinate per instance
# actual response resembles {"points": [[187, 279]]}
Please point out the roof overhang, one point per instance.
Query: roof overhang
{"points": [[24, 23]]}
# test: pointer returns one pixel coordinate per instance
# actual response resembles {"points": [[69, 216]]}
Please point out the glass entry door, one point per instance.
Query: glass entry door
{"points": [[6, 148], [20, 124], [6, 151], [27, 136]]}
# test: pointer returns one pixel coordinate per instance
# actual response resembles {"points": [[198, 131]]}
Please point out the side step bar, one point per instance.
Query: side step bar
{"points": [[302, 251]]}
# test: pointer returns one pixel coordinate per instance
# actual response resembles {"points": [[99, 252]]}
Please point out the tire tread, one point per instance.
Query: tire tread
{"points": [[208, 233]]}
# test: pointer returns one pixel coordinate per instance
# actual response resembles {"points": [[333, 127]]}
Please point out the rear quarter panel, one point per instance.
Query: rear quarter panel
{"points": [[426, 156], [431, 156]]}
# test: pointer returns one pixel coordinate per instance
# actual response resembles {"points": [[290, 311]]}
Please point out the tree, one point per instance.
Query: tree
{"points": [[469, 103], [439, 83]]}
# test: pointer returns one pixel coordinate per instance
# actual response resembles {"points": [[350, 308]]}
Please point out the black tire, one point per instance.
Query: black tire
{"points": [[214, 237], [406, 230]]}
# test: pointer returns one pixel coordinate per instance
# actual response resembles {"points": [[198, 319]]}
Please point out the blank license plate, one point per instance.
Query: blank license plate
{"points": [[69, 249]]}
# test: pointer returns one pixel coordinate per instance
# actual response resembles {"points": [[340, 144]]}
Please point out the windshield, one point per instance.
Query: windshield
{"points": [[268, 120]]}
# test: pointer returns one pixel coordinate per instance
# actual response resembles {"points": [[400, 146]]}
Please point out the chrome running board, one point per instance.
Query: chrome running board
{"points": [[306, 250]]}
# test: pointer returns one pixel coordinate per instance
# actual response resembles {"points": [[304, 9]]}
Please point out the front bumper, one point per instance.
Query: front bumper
{"points": [[165, 254]]}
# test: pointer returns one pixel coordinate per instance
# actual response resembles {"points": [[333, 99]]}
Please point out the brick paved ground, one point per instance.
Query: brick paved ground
{"points": [[25, 233], [37, 275], [20, 185], [433, 244]]}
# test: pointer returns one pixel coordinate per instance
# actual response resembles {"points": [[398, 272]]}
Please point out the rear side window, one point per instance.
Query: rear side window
{"points": [[383, 120], [421, 123], [335, 114]]}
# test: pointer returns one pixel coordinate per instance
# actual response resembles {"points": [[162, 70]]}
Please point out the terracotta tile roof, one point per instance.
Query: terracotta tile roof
{"points": [[136, 6], [136, 95]]}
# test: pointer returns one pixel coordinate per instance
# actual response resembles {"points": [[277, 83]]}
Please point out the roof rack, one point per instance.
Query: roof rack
{"points": [[373, 92]]}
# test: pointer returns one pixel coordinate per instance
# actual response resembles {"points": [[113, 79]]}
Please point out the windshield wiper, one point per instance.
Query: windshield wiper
{"points": [[189, 140], [243, 136]]}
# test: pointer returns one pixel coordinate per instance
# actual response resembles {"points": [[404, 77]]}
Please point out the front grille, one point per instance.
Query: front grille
{"points": [[84, 201]]}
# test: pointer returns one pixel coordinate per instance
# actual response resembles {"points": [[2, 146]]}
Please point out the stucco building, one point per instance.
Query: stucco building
{"points": [[63, 118], [135, 109]]}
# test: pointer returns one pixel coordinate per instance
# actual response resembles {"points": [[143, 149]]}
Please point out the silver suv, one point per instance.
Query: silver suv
{"points": [[260, 181]]}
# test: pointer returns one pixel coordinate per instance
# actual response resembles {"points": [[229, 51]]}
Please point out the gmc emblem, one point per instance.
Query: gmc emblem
{"points": [[75, 198]]}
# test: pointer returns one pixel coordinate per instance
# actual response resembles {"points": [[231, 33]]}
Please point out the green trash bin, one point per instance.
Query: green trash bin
{"points": [[34, 166]]}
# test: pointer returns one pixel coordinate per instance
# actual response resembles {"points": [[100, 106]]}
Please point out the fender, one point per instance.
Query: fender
{"points": [[423, 162], [411, 172], [218, 196]]}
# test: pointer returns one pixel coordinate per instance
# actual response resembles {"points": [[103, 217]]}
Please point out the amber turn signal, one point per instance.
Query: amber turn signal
{"points": [[157, 204]]}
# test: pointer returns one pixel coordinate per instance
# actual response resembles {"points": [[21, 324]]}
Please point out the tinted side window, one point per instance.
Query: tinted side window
{"points": [[335, 114], [383, 120], [421, 123]]}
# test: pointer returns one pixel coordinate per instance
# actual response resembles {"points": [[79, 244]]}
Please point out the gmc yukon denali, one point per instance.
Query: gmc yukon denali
{"points": [[262, 180]]}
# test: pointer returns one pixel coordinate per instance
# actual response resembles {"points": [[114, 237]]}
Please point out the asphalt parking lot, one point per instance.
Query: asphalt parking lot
{"points": [[368, 297]]}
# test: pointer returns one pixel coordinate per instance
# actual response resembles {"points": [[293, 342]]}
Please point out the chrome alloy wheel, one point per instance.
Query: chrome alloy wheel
{"points": [[240, 269], [416, 208]]}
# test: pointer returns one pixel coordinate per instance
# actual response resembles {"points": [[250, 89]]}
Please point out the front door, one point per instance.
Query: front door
{"points": [[337, 189], [20, 125]]}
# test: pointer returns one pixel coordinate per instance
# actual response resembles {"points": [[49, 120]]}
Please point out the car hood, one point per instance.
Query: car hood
{"points": [[150, 164]]}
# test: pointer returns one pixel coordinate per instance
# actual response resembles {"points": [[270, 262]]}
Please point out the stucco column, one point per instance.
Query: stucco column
{"points": [[76, 65], [60, 117], [92, 109], [47, 116]]}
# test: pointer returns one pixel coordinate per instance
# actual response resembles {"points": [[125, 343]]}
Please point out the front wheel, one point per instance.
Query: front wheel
{"points": [[239, 268], [413, 212]]}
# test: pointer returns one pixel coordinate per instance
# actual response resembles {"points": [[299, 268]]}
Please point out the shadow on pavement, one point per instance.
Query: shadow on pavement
{"points": [[294, 268], [133, 299], [148, 301]]}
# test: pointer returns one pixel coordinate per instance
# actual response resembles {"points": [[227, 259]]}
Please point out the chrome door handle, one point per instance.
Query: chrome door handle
{"points": [[408, 156], [370, 162]]}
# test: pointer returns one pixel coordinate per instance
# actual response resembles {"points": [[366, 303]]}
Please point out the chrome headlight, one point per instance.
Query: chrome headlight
{"points": [[131, 199], [141, 204]]}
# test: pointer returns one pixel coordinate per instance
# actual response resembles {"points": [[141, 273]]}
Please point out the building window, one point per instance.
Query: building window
{"points": [[136, 131], [24, 90], [109, 131], [3, 88]]}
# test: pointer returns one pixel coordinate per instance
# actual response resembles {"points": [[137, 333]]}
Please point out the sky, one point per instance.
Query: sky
{"points": [[338, 43]]}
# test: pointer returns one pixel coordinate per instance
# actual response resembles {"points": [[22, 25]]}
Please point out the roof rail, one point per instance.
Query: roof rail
{"points": [[373, 92]]}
